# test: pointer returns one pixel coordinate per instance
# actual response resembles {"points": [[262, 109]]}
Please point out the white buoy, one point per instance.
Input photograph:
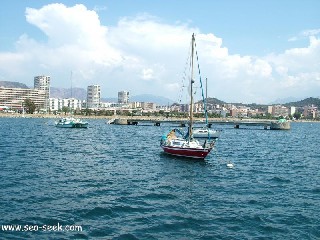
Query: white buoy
{"points": [[229, 165]]}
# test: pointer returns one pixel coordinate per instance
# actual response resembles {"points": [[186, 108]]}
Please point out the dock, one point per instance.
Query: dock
{"points": [[272, 125]]}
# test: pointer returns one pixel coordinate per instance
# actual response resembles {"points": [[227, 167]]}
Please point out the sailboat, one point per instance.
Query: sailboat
{"points": [[175, 142], [71, 122]]}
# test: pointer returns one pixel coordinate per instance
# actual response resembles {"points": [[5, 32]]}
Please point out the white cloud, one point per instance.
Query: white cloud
{"points": [[293, 39], [144, 55], [305, 34], [311, 32], [147, 74], [297, 70]]}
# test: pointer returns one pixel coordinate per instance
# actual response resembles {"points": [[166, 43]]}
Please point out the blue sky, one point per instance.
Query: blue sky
{"points": [[253, 45]]}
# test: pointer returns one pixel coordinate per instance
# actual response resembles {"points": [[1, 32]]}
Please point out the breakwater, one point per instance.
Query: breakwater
{"points": [[273, 125]]}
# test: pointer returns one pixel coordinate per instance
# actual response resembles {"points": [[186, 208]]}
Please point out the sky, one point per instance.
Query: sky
{"points": [[250, 51]]}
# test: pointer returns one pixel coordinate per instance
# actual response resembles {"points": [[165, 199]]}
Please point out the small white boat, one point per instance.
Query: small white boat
{"points": [[70, 122], [205, 133]]}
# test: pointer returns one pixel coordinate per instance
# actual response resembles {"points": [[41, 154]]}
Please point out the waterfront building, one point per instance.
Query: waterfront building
{"points": [[223, 112], [123, 97], [292, 110], [56, 104], [43, 83], [143, 105], [135, 105], [148, 106], [279, 110], [310, 112], [182, 108], [198, 108], [15, 97], [243, 111], [93, 96], [105, 105], [233, 112], [164, 108]]}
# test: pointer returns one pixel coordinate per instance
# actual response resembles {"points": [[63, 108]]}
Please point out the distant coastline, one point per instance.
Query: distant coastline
{"points": [[52, 116]]}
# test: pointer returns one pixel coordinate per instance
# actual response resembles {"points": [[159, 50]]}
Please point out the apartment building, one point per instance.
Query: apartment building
{"points": [[56, 104], [93, 96], [43, 83], [310, 111], [15, 97], [123, 97], [279, 110]]}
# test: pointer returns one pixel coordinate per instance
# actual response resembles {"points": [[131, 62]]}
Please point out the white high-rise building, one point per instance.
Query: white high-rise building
{"points": [[56, 104], [43, 83], [123, 97], [93, 96]]}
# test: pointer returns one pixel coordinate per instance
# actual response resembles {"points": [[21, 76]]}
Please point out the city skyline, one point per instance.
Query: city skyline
{"points": [[67, 93], [249, 51]]}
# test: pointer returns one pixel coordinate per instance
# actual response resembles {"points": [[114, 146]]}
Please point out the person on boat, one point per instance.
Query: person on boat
{"points": [[172, 134]]}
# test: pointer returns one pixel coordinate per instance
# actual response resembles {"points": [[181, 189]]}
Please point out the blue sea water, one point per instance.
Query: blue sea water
{"points": [[115, 182]]}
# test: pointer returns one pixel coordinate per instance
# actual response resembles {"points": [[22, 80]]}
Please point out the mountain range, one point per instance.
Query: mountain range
{"points": [[79, 93], [8, 84]]}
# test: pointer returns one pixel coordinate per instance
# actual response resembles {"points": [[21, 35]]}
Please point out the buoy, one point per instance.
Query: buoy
{"points": [[229, 165]]}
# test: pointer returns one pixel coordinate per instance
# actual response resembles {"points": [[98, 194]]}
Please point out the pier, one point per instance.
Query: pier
{"points": [[272, 125]]}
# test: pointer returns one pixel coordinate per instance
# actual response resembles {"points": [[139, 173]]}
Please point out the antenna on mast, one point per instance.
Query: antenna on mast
{"points": [[71, 84]]}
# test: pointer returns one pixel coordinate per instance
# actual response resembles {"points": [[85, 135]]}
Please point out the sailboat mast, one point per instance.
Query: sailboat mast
{"points": [[70, 101], [206, 103], [191, 86], [206, 88], [71, 84]]}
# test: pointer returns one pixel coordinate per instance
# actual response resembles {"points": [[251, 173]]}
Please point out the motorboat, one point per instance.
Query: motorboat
{"points": [[71, 122]]}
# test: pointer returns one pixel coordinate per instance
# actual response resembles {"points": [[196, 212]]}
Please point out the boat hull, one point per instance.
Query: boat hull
{"points": [[72, 125], [186, 152]]}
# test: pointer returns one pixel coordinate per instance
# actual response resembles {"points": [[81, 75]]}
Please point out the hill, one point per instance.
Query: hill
{"points": [[8, 84], [284, 100], [78, 93], [151, 98], [305, 102], [215, 101]]}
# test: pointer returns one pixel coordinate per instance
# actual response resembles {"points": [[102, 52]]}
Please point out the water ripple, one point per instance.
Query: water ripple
{"points": [[115, 182]]}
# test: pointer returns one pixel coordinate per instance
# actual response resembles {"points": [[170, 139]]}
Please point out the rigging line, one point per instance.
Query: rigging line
{"points": [[204, 100], [184, 80]]}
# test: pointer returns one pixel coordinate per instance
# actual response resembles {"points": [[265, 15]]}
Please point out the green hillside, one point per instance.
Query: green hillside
{"points": [[305, 102]]}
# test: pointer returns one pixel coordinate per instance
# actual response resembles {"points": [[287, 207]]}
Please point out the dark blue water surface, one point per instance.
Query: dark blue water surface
{"points": [[115, 182]]}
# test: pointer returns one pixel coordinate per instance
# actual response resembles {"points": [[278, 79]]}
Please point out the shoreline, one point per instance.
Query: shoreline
{"points": [[18, 115]]}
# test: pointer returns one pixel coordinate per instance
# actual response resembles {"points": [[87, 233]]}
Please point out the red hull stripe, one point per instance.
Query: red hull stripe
{"points": [[186, 152]]}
